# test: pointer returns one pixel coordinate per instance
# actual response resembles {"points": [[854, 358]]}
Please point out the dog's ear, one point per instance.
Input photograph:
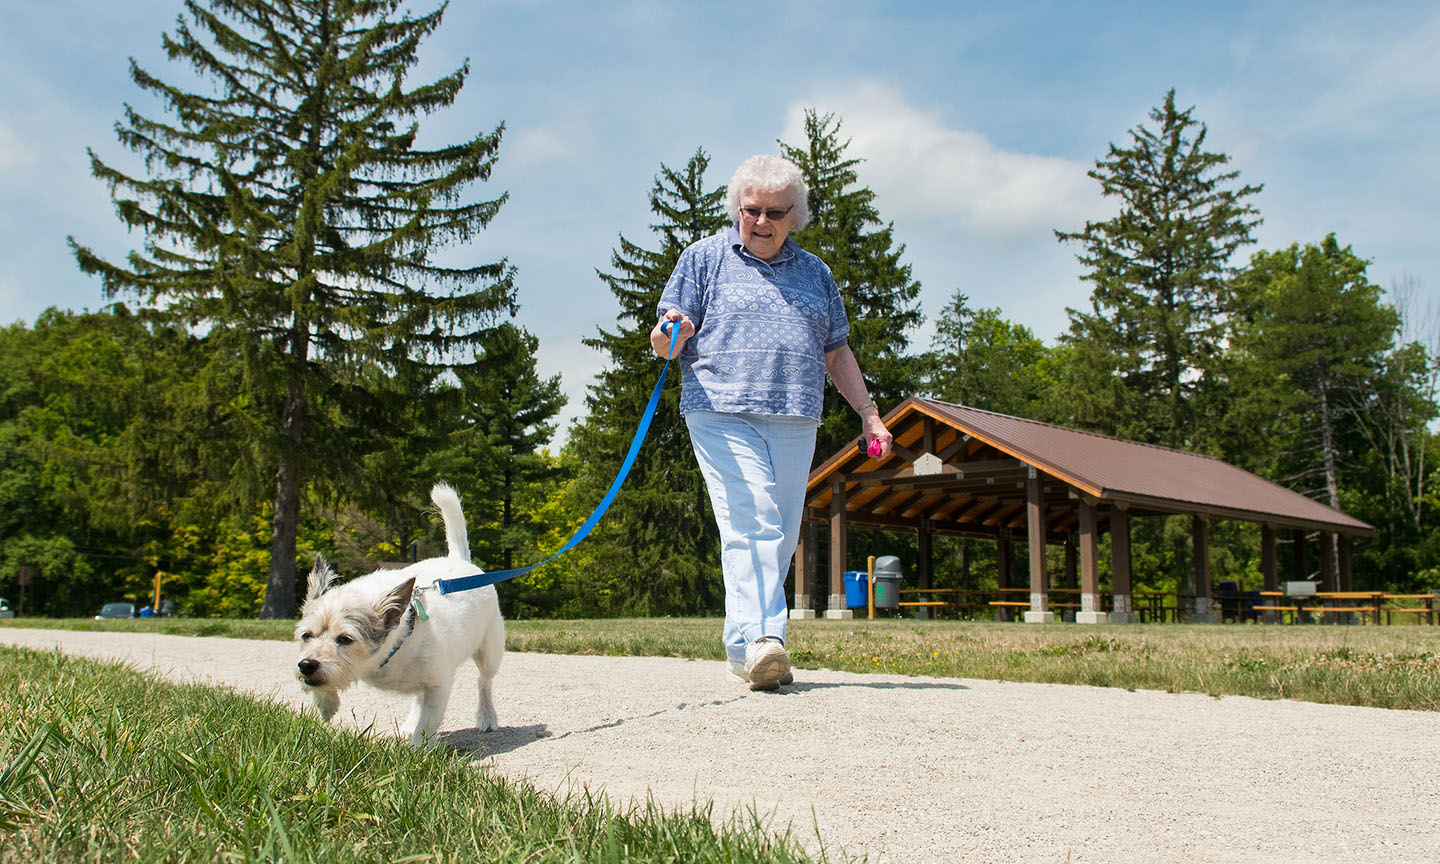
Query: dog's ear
{"points": [[392, 606], [320, 578]]}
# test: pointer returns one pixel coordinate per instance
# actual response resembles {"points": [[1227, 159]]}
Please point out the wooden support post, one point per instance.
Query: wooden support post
{"points": [[1269, 571], [1347, 583], [1035, 518], [1122, 608], [1091, 611], [924, 565], [1204, 612], [1071, 565], [804, 605], [1004, 555], [1327, 562], [1302, 569], [839, 542]]}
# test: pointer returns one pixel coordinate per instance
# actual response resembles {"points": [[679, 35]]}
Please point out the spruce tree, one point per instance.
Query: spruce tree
{"points": [[880, 298], [659, 541], [290, 214], [1147, 346], [505, 401]]}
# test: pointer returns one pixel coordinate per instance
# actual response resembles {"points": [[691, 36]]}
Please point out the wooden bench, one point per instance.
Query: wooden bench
{"points": [[1365, 612], [922, 603], [1428, 610], [1318, 611]]}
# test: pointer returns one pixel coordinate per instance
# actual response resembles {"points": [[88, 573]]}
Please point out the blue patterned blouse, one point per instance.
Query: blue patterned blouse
{"points": [[762, 327]]}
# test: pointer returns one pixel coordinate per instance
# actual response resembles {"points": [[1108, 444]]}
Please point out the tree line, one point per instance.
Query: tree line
{"points": [[285, 368]]}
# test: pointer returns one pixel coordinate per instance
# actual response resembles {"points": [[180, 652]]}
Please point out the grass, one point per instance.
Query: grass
{"points": [[102, 763], [1382, 667]]}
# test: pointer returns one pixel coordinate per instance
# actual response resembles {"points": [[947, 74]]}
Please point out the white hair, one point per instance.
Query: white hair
{"points": [[771, 174]]}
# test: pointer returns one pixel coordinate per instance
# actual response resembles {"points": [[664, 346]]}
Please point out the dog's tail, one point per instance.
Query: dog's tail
{"points": [[448, 501]]}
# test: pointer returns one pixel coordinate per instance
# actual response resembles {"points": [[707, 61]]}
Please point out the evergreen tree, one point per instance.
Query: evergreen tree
{"points": [[505, 400], [881, 300], [290, 212], [659, 542], [1148, 344]]}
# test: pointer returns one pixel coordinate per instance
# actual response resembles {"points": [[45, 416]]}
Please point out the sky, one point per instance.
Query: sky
{"points": [[976, 121]]}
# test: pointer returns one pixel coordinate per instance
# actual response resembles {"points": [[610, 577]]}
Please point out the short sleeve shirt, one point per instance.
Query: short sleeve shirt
{"points": [[762, 327]]}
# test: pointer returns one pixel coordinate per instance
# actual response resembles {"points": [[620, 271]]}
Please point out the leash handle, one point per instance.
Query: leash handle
{"points": [[479, 580]]}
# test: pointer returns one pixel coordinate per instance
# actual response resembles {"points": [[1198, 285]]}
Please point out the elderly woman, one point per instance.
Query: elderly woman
{"points": [[760, 324]]}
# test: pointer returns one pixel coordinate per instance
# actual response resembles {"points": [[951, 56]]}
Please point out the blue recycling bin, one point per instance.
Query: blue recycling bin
{"points": [[857, 587]]}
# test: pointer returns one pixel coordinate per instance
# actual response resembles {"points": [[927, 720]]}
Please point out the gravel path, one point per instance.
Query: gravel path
{"points": [[918, 769]]}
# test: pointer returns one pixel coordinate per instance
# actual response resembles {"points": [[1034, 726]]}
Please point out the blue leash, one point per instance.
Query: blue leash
{"points": [[466, 583]]}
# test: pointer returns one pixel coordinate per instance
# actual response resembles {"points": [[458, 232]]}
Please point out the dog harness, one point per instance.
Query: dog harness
{"points": [[479, 580]]}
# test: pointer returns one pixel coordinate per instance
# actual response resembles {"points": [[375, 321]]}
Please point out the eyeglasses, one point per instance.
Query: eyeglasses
{"points": [[753, 213]]}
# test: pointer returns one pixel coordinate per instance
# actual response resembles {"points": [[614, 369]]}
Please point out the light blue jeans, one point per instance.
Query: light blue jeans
{"points": [[755, 467]]}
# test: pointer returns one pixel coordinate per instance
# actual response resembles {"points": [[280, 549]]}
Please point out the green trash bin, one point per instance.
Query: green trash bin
{"points": [[887, 582]]}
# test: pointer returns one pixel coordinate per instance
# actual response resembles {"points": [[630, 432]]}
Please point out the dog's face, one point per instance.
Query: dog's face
{"points": [[341, 630]]}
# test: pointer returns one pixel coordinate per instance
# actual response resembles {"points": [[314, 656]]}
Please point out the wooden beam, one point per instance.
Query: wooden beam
{"points": [[955, 448], [839, 545]]}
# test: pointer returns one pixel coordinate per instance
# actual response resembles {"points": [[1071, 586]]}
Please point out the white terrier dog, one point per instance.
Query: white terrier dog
{"points": [[370, 630]]}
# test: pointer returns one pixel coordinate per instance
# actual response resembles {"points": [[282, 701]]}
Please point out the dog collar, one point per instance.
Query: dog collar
{"points": [[409, 628]]}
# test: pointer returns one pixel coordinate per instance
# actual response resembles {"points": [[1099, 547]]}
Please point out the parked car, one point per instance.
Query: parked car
{"points": [[116, 610], [5, 610]]}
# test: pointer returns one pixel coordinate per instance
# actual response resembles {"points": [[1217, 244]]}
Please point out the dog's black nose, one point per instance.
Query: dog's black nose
{"points": [[308, 667]]}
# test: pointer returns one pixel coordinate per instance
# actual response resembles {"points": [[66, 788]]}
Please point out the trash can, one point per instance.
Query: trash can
{"points": [[887, 582], [857, 583]]}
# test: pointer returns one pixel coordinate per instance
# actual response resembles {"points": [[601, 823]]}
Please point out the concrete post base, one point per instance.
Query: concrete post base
{"points": [[1091, 618], [1039, 617], [1123, 618], [839, 614], [800, 614], [1204, 612]]}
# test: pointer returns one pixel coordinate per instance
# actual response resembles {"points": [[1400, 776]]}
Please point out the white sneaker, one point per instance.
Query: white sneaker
{"points": [[735, 671], [767, 666]]}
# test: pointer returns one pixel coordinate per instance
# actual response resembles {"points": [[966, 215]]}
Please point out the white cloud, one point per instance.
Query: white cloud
{"points": [[1363, 83], [920, 167], [12, 154], [531, 147]]}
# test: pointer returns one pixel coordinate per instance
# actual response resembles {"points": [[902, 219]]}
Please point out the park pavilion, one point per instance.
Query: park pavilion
{"points": [[960, 471]]}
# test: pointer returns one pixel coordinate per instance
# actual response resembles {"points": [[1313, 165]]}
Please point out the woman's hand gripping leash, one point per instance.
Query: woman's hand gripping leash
{"points": [[666, 339]]}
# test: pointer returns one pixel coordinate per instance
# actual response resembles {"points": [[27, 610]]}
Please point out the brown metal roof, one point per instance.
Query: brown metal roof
{"points": [[977, 484]]}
